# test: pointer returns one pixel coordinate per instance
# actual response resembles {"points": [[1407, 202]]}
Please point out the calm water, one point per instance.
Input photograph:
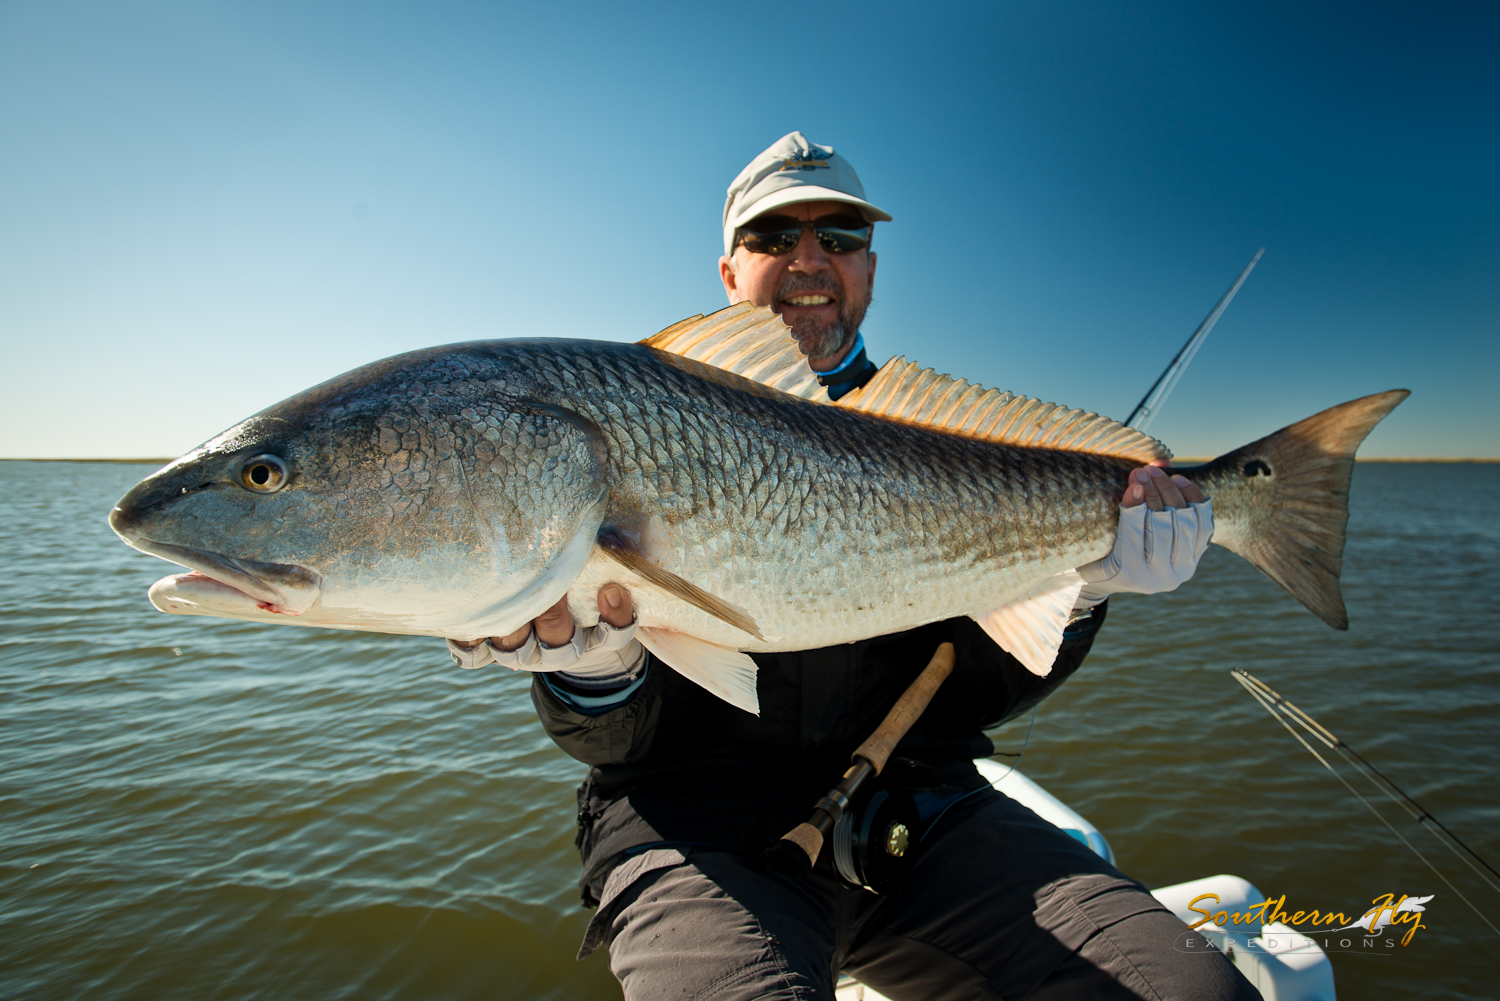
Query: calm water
{"points": [[193, 808]]}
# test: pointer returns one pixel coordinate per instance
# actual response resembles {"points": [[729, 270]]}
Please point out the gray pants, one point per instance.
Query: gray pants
{"points": [[1002, 905]]}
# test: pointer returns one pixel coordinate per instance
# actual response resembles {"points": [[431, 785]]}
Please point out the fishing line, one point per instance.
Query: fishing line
{"points": [[1271, 708], [1021, 753], [974, 792]]}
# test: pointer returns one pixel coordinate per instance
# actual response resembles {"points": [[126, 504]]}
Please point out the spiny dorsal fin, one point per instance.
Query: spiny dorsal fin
{"points": [[750, 341], [905, 391], [753, 342]]}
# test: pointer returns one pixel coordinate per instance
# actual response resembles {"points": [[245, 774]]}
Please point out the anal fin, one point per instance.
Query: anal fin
{"points": [[727, 673], [1030, 628]]}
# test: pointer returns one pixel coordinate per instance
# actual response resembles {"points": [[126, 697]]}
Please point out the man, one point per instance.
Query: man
{"points": [[685, 793], [805, 256]]}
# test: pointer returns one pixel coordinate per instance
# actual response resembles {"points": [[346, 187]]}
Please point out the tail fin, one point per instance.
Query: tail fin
{"points": [[1283, 502]]}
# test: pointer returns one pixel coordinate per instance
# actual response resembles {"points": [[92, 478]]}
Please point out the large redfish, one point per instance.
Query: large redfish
{"points": [[459, 491]]}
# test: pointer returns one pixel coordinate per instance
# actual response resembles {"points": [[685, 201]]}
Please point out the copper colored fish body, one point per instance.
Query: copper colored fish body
{"points": [[459, 491]]}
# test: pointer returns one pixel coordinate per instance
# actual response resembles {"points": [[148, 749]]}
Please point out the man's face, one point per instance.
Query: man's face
{"points": [[822, 296]]}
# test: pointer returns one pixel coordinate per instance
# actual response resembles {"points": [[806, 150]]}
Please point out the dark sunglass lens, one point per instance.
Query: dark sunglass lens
{"points": [[777, 234], [843, 241], [770, 243]]}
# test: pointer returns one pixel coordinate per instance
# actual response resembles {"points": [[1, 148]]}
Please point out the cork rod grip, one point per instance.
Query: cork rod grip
{"points": [[912, 703], [797, 850]]}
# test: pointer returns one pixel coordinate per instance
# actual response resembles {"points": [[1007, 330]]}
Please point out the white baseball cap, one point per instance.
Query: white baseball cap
{"points": [[792, 170]]}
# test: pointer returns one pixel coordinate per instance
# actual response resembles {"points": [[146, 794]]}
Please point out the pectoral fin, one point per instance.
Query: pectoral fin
{"points": [[627, 556], [1030, 628], [727, 673]]}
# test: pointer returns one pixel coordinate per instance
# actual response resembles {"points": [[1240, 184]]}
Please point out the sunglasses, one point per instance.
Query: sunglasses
{"points": [[779, 234]]}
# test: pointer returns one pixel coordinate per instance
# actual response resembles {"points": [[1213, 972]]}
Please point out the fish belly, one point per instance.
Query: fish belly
{"points": [[804, 605]]}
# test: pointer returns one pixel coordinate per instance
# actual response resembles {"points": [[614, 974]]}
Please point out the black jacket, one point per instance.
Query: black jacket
{"points": [[675, 765]]}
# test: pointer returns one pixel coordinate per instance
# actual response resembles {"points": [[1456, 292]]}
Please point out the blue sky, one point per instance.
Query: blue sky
{"points": [[208, 207]]}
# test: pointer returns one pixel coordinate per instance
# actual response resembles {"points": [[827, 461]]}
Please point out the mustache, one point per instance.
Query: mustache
{"points": [[816, 284], [819, 340]]}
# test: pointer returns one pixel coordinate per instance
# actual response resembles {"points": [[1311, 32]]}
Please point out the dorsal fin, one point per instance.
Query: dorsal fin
{"points": [[753, 342], [750, 341], [905, 391]]}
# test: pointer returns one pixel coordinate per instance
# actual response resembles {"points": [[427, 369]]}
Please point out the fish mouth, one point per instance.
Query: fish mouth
{"points": [[283, 588]]}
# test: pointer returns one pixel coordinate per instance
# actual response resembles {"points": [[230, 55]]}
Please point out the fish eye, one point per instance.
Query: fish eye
{"points": [[264, 474]]}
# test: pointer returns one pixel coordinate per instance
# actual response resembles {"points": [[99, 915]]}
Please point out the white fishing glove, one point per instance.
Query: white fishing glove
{"points": [[597, 657], [1155, 551]]}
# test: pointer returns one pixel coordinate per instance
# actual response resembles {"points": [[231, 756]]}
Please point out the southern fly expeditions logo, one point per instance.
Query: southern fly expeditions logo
{"points": [[813, 159], [1393, 919]]}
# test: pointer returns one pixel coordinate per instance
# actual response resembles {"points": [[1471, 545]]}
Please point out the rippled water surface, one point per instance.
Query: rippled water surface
{"points": [[197, 808]]}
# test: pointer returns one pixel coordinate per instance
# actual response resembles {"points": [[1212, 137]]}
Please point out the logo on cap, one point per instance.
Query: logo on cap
{"points": [[808, 161]]}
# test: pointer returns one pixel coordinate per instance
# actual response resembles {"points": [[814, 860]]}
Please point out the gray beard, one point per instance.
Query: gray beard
{"points": [[823, 340]]}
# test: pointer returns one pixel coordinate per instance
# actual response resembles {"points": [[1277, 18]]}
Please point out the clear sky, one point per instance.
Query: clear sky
{"points": [[207, 207]]}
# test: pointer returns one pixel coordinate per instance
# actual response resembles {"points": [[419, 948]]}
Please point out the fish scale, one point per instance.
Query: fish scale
{"points": [[828, 496], [459, 491]]}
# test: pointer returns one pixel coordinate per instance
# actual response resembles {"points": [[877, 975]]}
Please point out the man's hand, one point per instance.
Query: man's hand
{"points": [[1160, 491], [553, 642], [1165, 525], [555, 626]]}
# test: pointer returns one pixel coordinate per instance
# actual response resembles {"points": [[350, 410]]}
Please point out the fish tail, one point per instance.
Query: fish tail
{"points": [[1283, 502]]}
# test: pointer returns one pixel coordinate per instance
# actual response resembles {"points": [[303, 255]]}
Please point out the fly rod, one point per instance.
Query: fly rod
{"points": [[799, 848], [1282, 711], [1151, 403]]}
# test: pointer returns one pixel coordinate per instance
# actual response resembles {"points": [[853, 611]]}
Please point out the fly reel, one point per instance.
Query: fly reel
{"points": [[875, 844]]}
